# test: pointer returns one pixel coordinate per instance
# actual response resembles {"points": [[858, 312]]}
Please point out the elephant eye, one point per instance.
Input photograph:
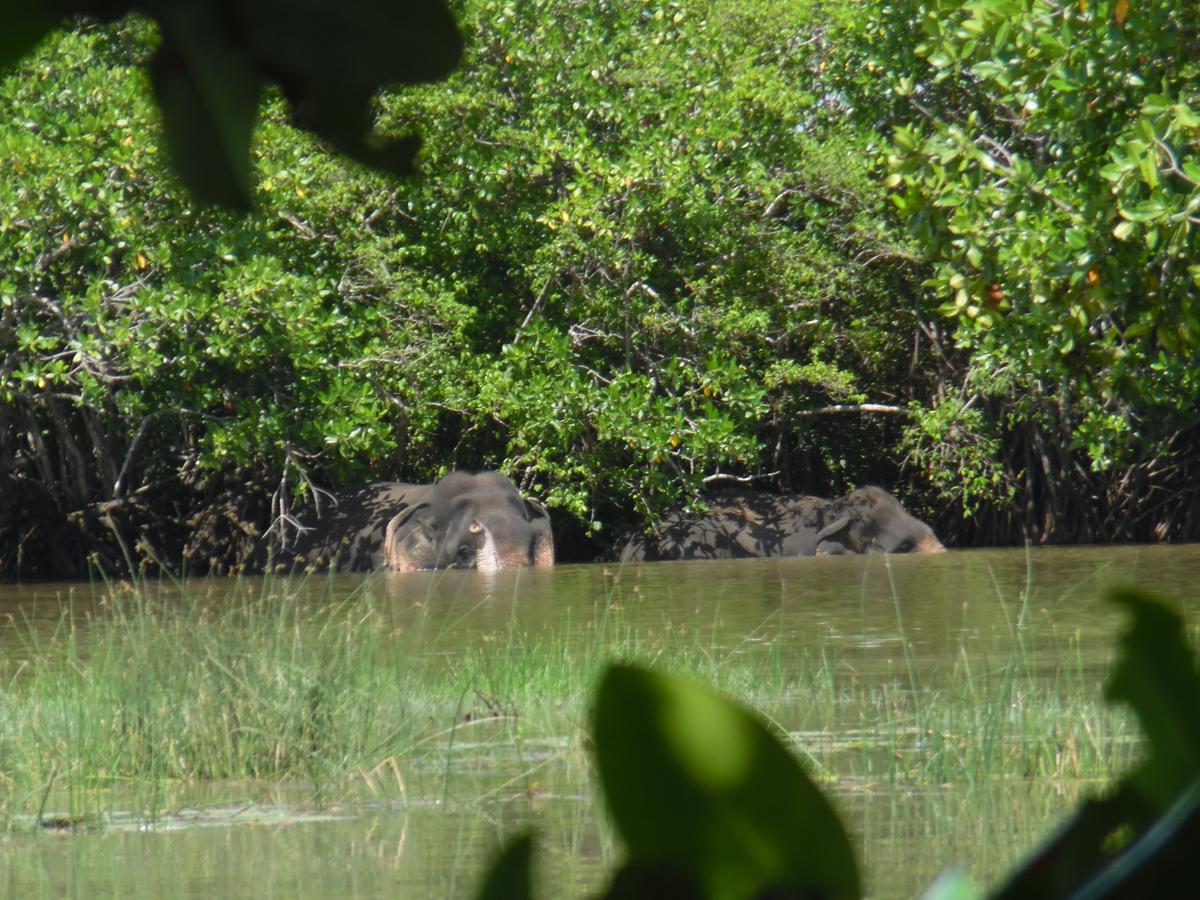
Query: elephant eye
{"points": [[465, 555], [905, 547]]}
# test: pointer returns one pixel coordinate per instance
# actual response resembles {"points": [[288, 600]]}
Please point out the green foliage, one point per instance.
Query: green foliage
{"points": [[213, 58], [959, 448], [653, 249], [633, 265], [1052, 175], [666, 259], [138, 327]]}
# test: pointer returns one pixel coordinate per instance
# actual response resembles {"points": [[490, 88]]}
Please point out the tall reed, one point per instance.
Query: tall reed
{"points": [[141, 688]]}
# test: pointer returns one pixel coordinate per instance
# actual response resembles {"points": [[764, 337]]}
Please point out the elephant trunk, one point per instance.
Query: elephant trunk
{"points": [[929, 544]]}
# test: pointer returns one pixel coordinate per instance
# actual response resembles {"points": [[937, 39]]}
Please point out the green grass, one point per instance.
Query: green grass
{"points": [[140, 689]]}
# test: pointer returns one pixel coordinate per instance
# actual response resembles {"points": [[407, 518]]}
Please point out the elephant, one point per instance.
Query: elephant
{"points": [[466, 520], [470, 521], [750, 523]]}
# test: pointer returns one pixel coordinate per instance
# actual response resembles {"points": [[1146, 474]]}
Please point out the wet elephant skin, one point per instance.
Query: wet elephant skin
{"points": [[469, 520], [753, 524], [464, 520]]}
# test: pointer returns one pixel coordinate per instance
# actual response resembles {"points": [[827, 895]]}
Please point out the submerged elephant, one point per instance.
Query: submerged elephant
{"points": [[467, 520], [745, 524], [471, 521]]}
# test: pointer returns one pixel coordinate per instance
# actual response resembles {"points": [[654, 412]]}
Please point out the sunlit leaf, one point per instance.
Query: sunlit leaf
{"points": [[1124, 230], [1144, 212], [1185, 118], [700, 788]]}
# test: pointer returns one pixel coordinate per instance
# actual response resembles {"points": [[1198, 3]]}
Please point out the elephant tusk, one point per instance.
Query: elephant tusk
{"points": [[487, 559], [543, 550]]}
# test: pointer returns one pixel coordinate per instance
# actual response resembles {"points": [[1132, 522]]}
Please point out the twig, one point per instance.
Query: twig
{"points": [[370, 220], [46, 257], [534, 307], [738, 479], [854, 408], [308, 233], [119, 485], [281, 503]]}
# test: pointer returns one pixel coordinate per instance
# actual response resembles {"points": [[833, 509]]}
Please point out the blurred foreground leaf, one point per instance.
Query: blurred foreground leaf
{"points": [[953, 885], [1156, 675], [708, 801], [21, 30], [509, 877], [329, 57], [1141, 840], [208, 95]]}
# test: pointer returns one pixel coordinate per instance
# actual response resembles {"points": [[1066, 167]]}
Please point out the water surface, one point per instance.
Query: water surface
{"points": [[890, 621]]}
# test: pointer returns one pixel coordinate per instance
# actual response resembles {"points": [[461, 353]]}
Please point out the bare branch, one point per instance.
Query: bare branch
{"points": [[534, 307], [854, 408], [774, 205], [738, 479], [387, 204], [49, 256], [118, 488], [308, 233], [281, 502]]}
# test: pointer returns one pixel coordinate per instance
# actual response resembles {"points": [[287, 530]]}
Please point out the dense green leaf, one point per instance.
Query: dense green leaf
{"points": [[1027, 156], [648, 254]]}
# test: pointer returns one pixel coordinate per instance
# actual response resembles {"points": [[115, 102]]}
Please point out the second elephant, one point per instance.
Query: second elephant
{"points": [[749, 524], [472, 520]]}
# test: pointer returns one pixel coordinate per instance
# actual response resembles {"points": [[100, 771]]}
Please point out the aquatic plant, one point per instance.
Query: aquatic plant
{"points": [[146, 687], [710, 804]]}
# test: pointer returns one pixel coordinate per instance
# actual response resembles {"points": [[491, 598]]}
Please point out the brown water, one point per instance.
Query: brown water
{"points": [[861, 612]]}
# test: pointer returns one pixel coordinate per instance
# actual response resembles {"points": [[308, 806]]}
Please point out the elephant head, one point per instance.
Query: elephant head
{"points": [[872, 520], [469, 521]]}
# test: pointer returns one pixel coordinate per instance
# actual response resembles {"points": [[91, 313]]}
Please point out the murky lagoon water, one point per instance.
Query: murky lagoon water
{"points": [[858, 614]]}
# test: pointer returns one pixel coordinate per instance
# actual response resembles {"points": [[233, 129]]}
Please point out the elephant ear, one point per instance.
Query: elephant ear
{"points": [[543, 540], [535, 509], [410, 541]]}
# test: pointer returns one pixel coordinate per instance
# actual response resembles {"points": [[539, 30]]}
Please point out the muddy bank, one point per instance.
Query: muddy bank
{"points": [[209, 528], [170, 529]]}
